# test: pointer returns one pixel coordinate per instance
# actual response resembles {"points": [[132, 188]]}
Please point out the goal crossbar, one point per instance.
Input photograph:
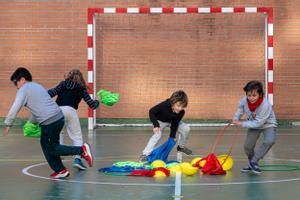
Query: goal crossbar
{"points": [[91, 40]]}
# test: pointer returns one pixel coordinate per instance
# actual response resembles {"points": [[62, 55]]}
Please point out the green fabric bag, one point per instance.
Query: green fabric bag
{"points": [[31, 130], [108, 98]]}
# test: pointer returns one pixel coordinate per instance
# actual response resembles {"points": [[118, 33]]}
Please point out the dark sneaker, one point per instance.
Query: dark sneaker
{"points": [[87, 154], [246, 170], [143, 158], [254, 168], [185, 150], [62, 174], [78, 164]]}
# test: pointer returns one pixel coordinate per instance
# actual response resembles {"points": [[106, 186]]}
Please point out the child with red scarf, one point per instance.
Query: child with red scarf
{"points": [[260, 120]]}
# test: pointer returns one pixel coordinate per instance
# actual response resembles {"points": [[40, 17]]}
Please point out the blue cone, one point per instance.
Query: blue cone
{"points": [[162, 152]]}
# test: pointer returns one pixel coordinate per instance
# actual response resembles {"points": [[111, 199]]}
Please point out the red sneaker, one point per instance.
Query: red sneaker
{"points": [[62, 174], [87, 154]]}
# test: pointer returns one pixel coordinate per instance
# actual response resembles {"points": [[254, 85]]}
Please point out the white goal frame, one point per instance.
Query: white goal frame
{"points": [[91, 38]]}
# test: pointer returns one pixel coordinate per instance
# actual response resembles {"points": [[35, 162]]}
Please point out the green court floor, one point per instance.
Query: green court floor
{"points": [[25, 175]]}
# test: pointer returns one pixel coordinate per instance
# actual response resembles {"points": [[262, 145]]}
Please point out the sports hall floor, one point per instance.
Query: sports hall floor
{"points": [[25, 175]]}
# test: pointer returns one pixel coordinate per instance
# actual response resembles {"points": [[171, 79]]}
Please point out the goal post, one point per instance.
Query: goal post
{"points": [[91, 41]]}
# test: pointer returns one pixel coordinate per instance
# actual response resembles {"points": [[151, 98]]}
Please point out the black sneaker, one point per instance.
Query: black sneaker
{"points": [[185, 150], [143, 158], [246, 169], [254, 168]]}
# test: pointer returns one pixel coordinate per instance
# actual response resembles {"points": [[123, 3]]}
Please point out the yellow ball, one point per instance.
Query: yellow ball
{"points": [[196, 159], [157, 163], [188, 169], [159, 174], [228, 163], [185, 164], [175, 168], [201, 164]]}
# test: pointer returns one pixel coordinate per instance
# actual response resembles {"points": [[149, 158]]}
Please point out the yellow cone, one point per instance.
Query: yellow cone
{"points": [[188, 169], [195, 160], [175, 168], [157, 163], [159, 174], [228, 163]]}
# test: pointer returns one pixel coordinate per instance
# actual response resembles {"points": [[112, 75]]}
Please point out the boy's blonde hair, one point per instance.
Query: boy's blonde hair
{"points": [[179, 96], [76, 76]]}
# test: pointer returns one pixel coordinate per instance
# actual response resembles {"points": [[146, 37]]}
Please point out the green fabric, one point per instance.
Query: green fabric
{"points": [[171, 164], [31, 129], [108, 98], [137, 165], [128, 163]]}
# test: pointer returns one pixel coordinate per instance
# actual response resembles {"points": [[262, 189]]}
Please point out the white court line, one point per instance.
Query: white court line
{"points": [[177, 195], [26, 172], [194, 134]]}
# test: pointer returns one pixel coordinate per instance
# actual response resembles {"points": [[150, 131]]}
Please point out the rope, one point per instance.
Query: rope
{"points": [[222, 132]]}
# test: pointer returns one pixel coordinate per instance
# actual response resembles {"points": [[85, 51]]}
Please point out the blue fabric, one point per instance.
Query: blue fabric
{"points": [[162, 152], [119, 169]]}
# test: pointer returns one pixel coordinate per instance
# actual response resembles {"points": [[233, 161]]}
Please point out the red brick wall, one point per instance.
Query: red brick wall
{"points": [[147, 57]]}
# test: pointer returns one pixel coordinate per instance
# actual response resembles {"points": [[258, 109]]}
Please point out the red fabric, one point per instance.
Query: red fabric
{"points": [[197, 164], [149, 172], [253, 106], [212, 166], [142, 172]]}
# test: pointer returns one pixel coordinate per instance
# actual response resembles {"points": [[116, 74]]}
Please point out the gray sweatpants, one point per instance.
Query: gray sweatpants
{"points": [[183, 131], [72, 125], [269, 135]]}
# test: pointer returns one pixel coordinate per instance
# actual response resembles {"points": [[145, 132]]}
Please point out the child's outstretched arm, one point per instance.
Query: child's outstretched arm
{"points": [[240, 111], [93, 104], [19, 102], [260, 118], [175, 124], [54, 91], [13, 111]]}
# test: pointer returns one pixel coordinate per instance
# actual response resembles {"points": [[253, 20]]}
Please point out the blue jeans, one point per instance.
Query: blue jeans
{"points": [[52, 149]]}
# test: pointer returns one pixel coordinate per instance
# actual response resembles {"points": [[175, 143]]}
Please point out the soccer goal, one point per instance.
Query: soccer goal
{"points": [[137, 53]]}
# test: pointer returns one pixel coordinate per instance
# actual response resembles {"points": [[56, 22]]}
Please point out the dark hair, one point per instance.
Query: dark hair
{"points": [[76, 76], [254, 85], [179, 96], [21, 72]]}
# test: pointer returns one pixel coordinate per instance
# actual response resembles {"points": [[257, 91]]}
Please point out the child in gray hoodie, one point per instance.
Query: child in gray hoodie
{"points": [[260, 119]]}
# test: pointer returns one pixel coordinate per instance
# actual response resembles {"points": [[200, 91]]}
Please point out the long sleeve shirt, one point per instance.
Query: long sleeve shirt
{"points": [[263, 116], [70, 93], [163, 112], [36, 99]]}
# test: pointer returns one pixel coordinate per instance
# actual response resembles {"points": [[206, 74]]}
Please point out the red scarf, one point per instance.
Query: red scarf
{"points": [[253, 106]]}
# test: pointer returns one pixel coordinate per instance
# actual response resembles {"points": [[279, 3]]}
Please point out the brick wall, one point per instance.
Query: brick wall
{"points": [[147, 57]]}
